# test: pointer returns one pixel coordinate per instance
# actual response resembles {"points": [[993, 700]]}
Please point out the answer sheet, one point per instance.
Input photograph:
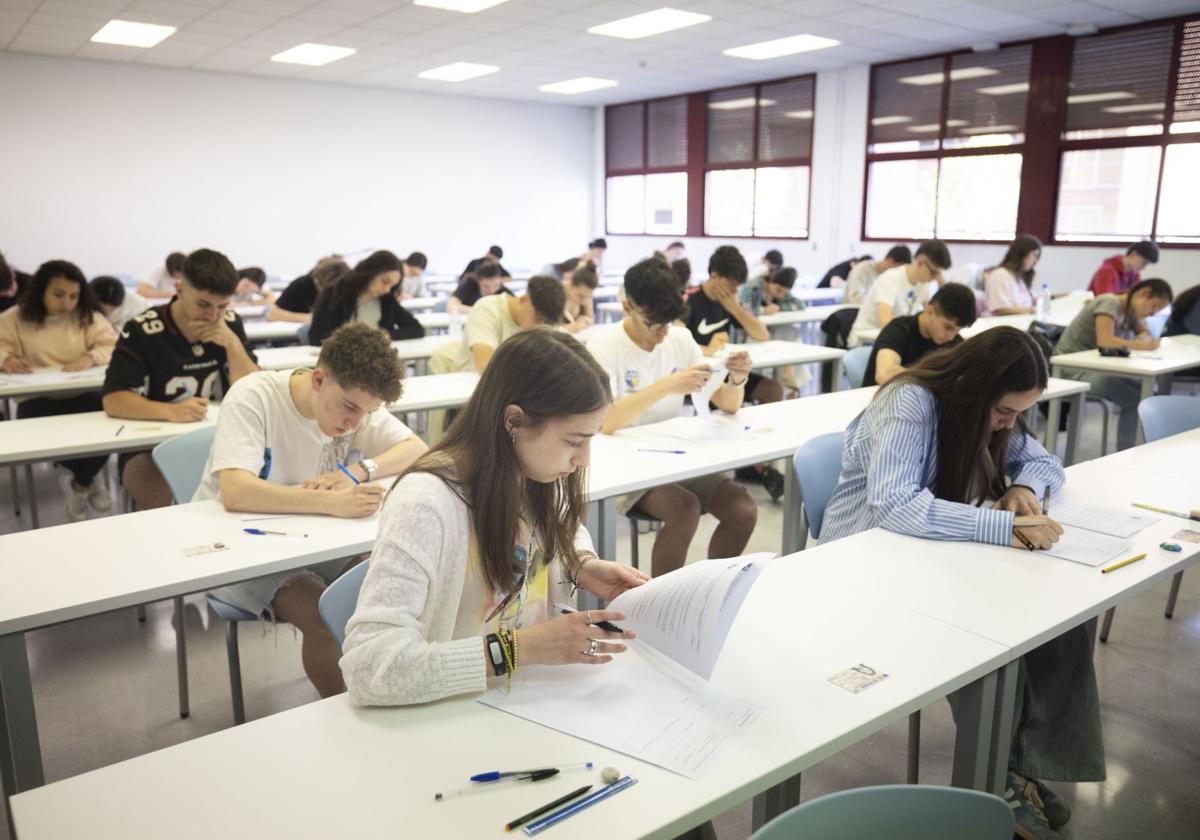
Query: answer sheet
{"points": [[1086, 547], [1103, 520], [701, 398]]}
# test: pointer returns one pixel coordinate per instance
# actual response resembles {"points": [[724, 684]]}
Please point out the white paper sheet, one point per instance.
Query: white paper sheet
{"points": [[718, 427], [1103, 520], [1087, 547], [686, 615], [701, 398], [637, 704], [49, 376]]}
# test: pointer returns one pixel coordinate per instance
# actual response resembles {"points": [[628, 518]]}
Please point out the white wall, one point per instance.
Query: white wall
{"points": [[114, 165], [839, 145]]}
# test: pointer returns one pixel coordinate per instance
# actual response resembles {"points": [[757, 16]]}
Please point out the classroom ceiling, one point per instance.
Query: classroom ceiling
{"points": [[536, 42]]}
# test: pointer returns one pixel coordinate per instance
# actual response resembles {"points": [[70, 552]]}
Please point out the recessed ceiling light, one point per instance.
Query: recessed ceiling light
{"points": [[894, 120], [129, 33], [1132, 109], [781, 46], [1082, 98], [989, 129], [955, 123], [459, 71], [798, 115], [649, 23], [738, 104], [468, 7], [955, 76], [923, 129], [581, 85], [1004, 90], [313, 55]]}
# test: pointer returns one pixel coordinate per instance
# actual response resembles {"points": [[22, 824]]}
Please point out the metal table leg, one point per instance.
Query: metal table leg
{"points": [[1074, 421], [20, 750], [835, 367], [793, 524], [33, 511], [973, 740], [1002, 727], [774, 801]]}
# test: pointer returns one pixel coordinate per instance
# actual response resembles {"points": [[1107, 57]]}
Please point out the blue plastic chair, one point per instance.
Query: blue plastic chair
{"points": [[895, 812], [181, 462], [340, 599], [1162, 417], [817, 465], [302, 333], [855, 364], [440, 305]]}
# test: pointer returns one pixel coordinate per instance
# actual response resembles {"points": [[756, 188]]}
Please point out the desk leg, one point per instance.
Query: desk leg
{"points": [[1148, 383], [20, 751], [835, 368], [1073, 424], [1052, 421], [774, 801], [793, 524], [1002, 727], [16, 489], [972, 743], [33, 511]]}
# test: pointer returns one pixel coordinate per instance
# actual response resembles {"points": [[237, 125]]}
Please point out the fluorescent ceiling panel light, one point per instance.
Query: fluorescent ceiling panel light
{"points": [[468, 7], [1133, 109], [923, 129], [798, 115], [649, 23], [955, 123], [955, 76], [130, 33], [1004, 90], [738, 104], [581, 85], [313, 55], [1082, 98], [989, 129], [894, 120], [459, 71], [781, 46]]}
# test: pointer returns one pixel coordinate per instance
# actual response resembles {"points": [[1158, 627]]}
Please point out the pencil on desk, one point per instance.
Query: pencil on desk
{"points": [[119, 430], [1116, 566], [1025, 541]]}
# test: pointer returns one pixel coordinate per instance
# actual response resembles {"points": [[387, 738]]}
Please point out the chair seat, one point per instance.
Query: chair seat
{"points": [[229, 612]]}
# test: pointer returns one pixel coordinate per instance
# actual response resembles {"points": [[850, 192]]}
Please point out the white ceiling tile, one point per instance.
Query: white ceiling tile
{"points": [[108, 52], [27, 5], [40, 47]]}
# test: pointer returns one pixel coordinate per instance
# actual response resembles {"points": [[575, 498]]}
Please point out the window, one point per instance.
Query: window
{"points": [[759, 159], [1130, 148], [646, 159], [945, 146]]}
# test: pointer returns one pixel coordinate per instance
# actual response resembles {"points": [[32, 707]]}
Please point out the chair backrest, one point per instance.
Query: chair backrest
{"points": [[340, 599], [1168, 415], [891, 811], [855, 364], [818, 464], [441, 304], [181, 461], [302, 333], [837, 326]]}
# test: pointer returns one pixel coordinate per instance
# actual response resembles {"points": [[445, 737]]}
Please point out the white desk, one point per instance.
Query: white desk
{"points": [[777, 354], [363, 790], [437, 321], [1175, 354], [829, 294], [420, 304], [258, 331], [251, 311], [608, 311], [1062, 311]]}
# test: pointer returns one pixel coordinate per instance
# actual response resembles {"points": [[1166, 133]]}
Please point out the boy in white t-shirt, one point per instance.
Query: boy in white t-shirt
{"points": [[494, 318], [903, 290], [281, 439], [652, 365], [160, 281]]}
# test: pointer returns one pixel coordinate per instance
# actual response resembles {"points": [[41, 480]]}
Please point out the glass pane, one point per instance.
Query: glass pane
{"points": [[729, 202], [626, 204], [906, 106], [666, 203], [1120, 79], [977, 197], [1107, 194], [785, 120], [987, 98], [900, 199], [731, 125], [623, 135], [781, 201], [666, 141], [1178, 218]]}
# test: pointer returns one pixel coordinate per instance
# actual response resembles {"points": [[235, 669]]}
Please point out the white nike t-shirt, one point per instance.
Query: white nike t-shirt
{"points": [[630, 368]]}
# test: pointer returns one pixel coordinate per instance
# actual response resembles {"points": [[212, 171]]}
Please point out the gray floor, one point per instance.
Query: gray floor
{"points": [[105, 691]]}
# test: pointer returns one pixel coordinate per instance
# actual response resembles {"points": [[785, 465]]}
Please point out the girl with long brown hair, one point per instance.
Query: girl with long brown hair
{"points": [[485, 532]]}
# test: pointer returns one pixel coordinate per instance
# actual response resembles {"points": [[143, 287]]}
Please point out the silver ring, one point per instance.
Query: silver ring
{"points": [[594, 647]]}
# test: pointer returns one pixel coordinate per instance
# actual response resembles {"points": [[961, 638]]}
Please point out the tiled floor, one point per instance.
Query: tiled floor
{"points": [[105, 691]]}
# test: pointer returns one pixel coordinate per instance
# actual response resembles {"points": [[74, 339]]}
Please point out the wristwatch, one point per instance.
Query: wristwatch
{"points": [[370, 466]]}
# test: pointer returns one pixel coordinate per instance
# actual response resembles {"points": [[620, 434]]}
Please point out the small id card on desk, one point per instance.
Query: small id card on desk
{"points": [[858, 678], [208, 548]]}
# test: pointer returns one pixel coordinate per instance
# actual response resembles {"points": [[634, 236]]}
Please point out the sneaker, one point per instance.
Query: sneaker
{"points": [[748, 474], [1058, 812], [97, 496], [772, 479], [77, 500], [1026, 803]]}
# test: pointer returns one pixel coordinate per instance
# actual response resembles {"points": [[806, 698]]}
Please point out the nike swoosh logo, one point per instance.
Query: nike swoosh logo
{"points": [[704, 328]]}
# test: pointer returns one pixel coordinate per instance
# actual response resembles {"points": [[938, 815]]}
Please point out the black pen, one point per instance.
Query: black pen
{"points": [[603, 625], [562, 800]]}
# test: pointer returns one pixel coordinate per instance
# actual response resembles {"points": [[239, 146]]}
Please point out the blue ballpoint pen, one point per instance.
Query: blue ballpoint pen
{"points": [[342, 467], [497, 775]]}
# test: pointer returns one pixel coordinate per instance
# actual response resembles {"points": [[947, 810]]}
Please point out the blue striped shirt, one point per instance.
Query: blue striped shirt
{"points": [[889, 467]]}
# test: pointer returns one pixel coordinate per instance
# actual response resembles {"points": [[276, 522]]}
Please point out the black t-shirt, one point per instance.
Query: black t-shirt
{"points": [[154, 359], [841, 270], [903, 336], [299, 296], [473, 264], [468, 293], [21, 280], [706, 317]]}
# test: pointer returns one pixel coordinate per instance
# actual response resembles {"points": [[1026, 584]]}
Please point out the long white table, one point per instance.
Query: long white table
{"points": [[1062, 311], [1147, 366], [259, 331], [421, 304]]}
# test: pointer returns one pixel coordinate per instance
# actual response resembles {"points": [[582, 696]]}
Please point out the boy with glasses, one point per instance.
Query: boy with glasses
{"points": [[903, 290]]}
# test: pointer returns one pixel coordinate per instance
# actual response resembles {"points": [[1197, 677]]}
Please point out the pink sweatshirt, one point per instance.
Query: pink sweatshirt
{"points": [[57, 341]]}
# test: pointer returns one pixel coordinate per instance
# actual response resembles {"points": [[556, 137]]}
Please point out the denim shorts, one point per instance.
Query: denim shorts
{"points": [[255, 596]]}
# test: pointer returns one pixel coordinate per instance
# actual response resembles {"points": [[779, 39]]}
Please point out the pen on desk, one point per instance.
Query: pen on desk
{"points": [[603, 625], [1195, 514], [342, 467], [666, 451], [497, 775], [259, 532], [121, 429], [550, 806], [577, 806], [536, 776], [1116, 566]]}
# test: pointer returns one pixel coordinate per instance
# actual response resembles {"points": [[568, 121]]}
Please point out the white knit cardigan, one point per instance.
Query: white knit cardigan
{"points": [[399, 646]]}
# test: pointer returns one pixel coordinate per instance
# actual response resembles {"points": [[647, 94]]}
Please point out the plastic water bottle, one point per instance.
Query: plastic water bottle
{"points": [[1043, 302], [756, 301]]}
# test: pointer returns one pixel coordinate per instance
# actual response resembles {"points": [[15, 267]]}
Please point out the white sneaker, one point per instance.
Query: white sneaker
{"points": [[77, 500], [97, 495]]}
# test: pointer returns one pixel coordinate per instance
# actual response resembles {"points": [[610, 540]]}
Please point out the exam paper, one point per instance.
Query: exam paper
{"points": [[49, 376], [701, 398], [1103, 520], [637, 704], [717, 427], [1087, 547], [686, 614]]}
